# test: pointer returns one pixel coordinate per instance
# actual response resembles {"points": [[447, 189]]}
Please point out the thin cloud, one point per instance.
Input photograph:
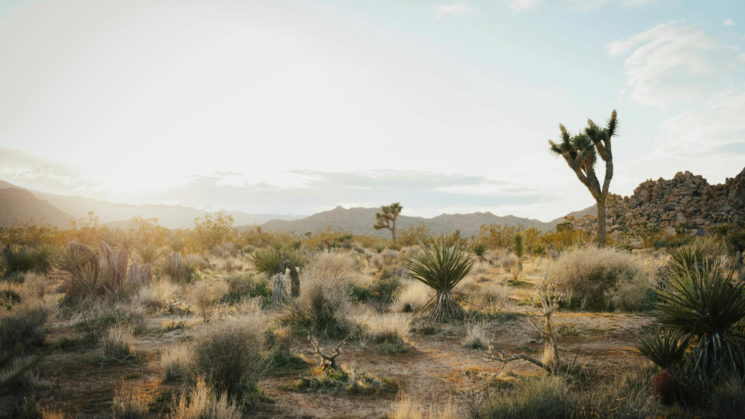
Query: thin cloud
{"points": [[518, 6], [676, 63], [586, 5], [728, 22], [458, 8]]}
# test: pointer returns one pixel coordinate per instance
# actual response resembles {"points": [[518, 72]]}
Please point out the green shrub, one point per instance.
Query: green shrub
{"points": [[22, 259], [98, 319], [271, 260], [380, 293], [23, 326], [243, 286]]}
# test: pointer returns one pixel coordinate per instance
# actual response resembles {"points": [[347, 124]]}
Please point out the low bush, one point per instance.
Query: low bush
{"points": [[242, 287], [229, 357], [202, 402], [205, 294], [600, 279], [176, 363], [23, 325], [117, 343], [128, 403], [23, 259]]}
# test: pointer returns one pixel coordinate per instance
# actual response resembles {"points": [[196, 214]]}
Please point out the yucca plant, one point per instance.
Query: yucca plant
{"points": [[441, 267], [149, 253], [664, 347], [702, 301]]}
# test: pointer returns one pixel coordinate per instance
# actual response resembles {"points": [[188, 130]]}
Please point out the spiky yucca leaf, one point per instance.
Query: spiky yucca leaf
{"points": [[664, 347], [441, 266]]}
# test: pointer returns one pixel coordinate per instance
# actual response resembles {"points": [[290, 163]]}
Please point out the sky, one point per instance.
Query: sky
{"points": [[296, 106]]}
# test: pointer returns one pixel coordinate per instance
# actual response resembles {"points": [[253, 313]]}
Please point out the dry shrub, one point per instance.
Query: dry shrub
{"points": [[413, 296], [385, 328], [476, 336], [599, 279], [229, 356], [406, 408], [34, 286], [176, 363], [385, 258], [93, 273], [128, 403], [138, 276], [489, 298], [182, 269], [117, 343], [324, 297], [203, 403], [158, 294], [206, 293]]}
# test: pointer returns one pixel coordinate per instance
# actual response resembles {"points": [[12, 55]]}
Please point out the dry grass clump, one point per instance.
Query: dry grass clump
{"points": [[407, 408], [128, 403], [229, 356], [203, 403], [600, 279], [176, 363], [389, 330], [158, 295], [205, 294], [117, 344], [324, 297], [476, 336], [412, 297], [336, 266], [180, 269], [93, 273]]}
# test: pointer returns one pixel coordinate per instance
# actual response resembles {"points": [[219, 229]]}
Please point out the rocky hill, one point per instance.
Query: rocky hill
{"points": [[360, 221], [685, 200]]}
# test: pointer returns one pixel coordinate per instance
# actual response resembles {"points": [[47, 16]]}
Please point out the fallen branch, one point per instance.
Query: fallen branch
{"points": [[328, 362]]}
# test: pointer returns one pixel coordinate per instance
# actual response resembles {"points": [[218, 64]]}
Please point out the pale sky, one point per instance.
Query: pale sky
{"points": [[298, 106]]}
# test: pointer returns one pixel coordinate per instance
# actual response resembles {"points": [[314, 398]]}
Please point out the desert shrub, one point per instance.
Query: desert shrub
{"points": [[406, 408], [412, 296], [346, 381], [476, 337], [441, 266], [157, 295], [205, 294], [128, 404], [387, 330], [97, 318], [92, 273], [117, 343], [551, 397], [202, 402], [589, 278], [23, 259], [242, 287], [23, 325], [176, 363], [148, 253], [271, 260], [379, 293], [324, 298], [179, 269], [229, 357]]}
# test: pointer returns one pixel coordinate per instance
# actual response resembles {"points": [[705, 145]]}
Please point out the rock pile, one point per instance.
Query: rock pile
{"points": [[686, 201]]}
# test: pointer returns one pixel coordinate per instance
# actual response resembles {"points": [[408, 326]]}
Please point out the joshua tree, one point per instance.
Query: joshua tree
{"points": [[441, 267], [580, 152], [386, 218]]}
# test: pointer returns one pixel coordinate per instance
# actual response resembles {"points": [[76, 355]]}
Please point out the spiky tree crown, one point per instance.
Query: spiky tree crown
{"points": [[387, 215]]}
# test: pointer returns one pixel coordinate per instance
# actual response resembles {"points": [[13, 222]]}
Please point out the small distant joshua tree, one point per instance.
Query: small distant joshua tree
{"points": [[580, 152], [386, 218]]}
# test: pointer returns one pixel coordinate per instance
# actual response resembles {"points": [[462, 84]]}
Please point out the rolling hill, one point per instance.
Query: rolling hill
{"points": [[18, 205]]}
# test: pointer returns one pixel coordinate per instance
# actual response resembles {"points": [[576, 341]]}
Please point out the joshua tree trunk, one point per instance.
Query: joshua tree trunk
{"points": [[393, 233], [443, 307], [601, 221]]}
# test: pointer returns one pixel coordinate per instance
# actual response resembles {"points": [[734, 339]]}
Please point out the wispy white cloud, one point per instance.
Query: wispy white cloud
{"points": [[676, 63], [728, 22], [718, 124], [450, 9], [29, 171], [585, 5], [522, 5]]}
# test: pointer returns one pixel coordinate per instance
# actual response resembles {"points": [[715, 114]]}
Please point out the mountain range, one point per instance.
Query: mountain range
{"points": [[18, 205]]}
